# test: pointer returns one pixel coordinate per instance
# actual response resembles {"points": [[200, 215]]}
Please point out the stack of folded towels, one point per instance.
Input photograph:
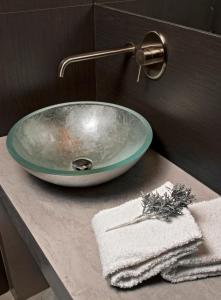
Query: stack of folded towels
{"points": [[187, 248]]}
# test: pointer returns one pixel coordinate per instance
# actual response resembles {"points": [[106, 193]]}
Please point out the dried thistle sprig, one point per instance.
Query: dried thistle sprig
{"points": [[168, 205], [162, 207]]}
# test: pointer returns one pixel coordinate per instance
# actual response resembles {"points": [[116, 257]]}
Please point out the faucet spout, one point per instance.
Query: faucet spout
{"points": [[130, 48]]}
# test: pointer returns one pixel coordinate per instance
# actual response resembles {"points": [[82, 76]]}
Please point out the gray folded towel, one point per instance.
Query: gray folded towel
{"points": [[207, 260], [134, 253]]}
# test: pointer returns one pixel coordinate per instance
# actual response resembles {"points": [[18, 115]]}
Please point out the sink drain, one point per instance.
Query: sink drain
{"points": [[82, 164]]}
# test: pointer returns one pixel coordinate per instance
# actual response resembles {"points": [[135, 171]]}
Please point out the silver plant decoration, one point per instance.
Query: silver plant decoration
{"points": [[162, 207]]}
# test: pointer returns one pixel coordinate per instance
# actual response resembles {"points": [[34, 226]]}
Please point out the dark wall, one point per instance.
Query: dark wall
{"points": [[34, 36], [200, 14], [20, 5], [196, 14], [110, 1], [216, 25], [184, 106]]}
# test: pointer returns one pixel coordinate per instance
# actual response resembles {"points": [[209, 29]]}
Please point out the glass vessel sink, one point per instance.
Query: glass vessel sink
{"points": [[79, 143]]}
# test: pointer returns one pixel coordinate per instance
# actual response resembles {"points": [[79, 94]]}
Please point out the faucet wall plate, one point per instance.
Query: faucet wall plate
{"points": [[151, 56]]}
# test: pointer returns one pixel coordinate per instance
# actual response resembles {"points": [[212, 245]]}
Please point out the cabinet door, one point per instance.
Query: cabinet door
{"points": [[4, 286], [24, 275]]}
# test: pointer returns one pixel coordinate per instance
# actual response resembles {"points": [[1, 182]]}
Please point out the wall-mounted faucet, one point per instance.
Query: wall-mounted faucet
{"points": [[151, 56]]}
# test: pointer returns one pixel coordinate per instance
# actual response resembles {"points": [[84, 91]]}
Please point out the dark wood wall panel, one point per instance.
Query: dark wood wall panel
{"points": [[32, 45], [184, 106], [196, 14], [109, 2], [216, 25], [18, 5]]}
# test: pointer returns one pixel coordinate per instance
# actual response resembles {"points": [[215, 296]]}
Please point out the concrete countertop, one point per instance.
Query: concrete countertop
{"points": [[55, 223]]}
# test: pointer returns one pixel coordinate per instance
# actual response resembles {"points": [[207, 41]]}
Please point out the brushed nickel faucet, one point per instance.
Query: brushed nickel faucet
{"points": [[151, 56]]}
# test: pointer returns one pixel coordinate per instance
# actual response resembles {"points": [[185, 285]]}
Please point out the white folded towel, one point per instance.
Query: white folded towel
{"points": [[207, 260], [134, 253]]}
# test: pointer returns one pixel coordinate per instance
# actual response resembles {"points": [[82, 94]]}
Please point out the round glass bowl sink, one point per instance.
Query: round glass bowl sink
{"points": [[79, 143]]}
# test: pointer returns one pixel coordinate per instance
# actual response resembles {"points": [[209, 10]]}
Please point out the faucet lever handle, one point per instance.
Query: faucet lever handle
{"points": [[139, 72], [140, 59]]}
